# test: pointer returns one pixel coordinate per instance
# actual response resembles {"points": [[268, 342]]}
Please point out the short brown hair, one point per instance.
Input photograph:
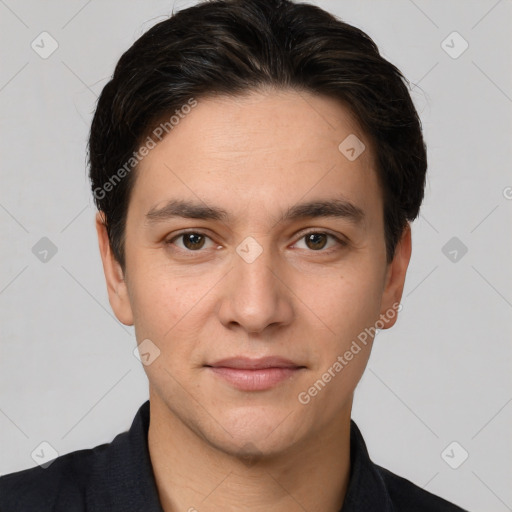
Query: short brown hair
{"points": [[232, 47]]}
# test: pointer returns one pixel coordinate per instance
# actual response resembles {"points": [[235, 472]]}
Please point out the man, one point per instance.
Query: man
{"points": [[255, 165]]}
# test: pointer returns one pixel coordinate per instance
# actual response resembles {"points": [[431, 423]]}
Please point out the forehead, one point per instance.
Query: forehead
{"points": [[272, 122], [264, 148]]}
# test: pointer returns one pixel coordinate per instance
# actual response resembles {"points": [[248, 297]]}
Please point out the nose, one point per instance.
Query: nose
{"points": [[256, 295]]}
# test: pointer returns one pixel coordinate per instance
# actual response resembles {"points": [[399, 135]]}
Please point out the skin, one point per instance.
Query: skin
{"points": [[255, 156]]}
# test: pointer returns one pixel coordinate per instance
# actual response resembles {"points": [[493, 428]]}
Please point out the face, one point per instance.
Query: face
{"points": [[286, 258]]}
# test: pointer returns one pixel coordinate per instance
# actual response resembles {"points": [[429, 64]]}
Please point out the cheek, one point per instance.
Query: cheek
{"points": [[163, 312], [168, 306], [349, 300], [348, 307], [158, 301]]}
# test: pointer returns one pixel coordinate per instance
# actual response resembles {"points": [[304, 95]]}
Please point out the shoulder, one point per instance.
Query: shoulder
{"points": [[373, 487], [407, 496], [60, 485], [111, 476]]}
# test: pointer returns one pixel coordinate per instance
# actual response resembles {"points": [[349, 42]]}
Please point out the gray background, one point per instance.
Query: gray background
{"points": [[442, 374]]}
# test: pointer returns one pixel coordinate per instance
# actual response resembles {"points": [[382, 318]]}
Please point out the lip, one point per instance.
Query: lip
{"points": [[249, 374], [248, 363]]}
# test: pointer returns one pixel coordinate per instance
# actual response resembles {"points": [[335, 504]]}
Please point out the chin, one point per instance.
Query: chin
{"points": [[258, 428]]}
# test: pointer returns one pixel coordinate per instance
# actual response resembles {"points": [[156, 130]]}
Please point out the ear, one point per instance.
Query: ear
{"points": [[395, 279], [116, 285]]}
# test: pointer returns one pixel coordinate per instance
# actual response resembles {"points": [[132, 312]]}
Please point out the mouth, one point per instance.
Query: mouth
{"points": [[248, 374]]}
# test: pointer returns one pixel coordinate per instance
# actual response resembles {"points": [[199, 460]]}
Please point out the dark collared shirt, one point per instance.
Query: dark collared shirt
{"points": [[118, 477]]}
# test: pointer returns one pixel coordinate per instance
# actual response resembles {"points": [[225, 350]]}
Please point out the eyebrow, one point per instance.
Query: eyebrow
{"points": [[179, 208]]}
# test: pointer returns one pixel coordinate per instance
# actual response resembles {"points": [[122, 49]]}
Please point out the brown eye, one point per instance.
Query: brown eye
{"points": [[316, 241], [191, 241]]}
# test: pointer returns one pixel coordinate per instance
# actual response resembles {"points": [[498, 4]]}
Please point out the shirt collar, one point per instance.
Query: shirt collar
{"points": [[123, 479], [367, 490]]}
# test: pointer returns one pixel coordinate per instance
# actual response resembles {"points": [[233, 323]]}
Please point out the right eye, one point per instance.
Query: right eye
{"points": [[192, 241]]}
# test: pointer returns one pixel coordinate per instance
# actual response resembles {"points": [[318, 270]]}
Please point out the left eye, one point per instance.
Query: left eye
{"points": [[317, 240]]}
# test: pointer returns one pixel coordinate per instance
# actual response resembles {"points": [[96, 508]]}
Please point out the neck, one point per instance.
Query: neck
{"points": [[192, 475]]}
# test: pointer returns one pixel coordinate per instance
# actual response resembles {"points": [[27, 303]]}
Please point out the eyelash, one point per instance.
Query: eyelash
{"points": [[341, 243]]}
